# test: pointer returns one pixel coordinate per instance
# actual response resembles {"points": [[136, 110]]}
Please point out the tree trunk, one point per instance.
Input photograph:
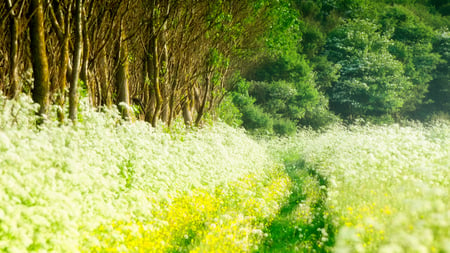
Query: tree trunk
{"points": [[39, 56], [156, 83], [14, 34], [73, 91], [61, 25], [102, 70], [201, 110], [165, 113], [187, 115], [122, 77], [171, 107], [63, 62], [84, 65]]}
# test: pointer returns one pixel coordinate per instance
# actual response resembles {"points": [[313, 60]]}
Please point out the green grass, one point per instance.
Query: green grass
{"points": [[303, 223]]}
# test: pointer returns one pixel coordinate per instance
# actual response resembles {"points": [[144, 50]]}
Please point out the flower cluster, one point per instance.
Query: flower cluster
{"points": [[198, 221]]}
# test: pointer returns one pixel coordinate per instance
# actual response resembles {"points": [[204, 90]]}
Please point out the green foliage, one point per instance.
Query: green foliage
{"points": [[371, 59], [440, 86], [284, 127], [442, 6], [290, 67], [283, 34], [326, 71], [319, 116], [277, 105], [413, 47], [253, 117], [372, 81], [313, 39], [277, 98], [353, 39], [229, 113]]}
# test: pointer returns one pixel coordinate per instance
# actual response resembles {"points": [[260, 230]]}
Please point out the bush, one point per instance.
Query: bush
{"points": [[254, 117], [229, 113], [319, 116], [284, 127]]}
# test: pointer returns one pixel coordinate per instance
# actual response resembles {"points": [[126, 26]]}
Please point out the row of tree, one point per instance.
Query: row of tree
{"points": [[285, 63], [162, 58]]}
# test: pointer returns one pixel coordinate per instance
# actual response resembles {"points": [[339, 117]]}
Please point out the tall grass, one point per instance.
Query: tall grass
{"points": [[387, 186], [106, 185]]}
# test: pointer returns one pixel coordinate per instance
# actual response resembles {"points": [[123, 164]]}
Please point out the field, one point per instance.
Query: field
{"points": [[386, 187], [106, 185]]}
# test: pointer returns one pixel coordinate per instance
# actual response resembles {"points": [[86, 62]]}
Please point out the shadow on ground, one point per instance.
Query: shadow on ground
{"points": [[303, 223]]}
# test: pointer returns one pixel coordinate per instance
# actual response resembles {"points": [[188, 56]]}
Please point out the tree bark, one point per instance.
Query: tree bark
{"points": [[102, 70], [156, 81], [61, 25], [187, 114], [63, 62], [14, 45], [73, 91], [122, 76], [84, 66], [39, 56], [14, 89], [202, 107]]}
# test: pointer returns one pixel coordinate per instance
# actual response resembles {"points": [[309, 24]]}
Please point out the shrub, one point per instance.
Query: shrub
{"points": [[284, 126], [254, 117], [319, 116], [229, 113]]}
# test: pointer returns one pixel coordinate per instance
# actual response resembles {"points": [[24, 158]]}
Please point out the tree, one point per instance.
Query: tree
{"points": [[412, 45], [73, 91], [439, 91], [60, 17], [171, 58], [14, 47], [39, 56], [121, 80], [371, 81]]}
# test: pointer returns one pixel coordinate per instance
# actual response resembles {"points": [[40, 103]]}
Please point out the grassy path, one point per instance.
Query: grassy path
{"points": [[303, 224]]}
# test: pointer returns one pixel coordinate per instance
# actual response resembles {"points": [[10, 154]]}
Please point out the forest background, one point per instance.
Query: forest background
{"points": [[270, 66]]}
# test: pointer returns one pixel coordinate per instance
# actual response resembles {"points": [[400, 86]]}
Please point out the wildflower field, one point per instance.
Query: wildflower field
{"points": [[386, 187], [108, 185]]}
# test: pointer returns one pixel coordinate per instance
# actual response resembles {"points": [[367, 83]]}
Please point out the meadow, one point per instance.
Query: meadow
{"points": [[108, 185], [386, 187]]}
